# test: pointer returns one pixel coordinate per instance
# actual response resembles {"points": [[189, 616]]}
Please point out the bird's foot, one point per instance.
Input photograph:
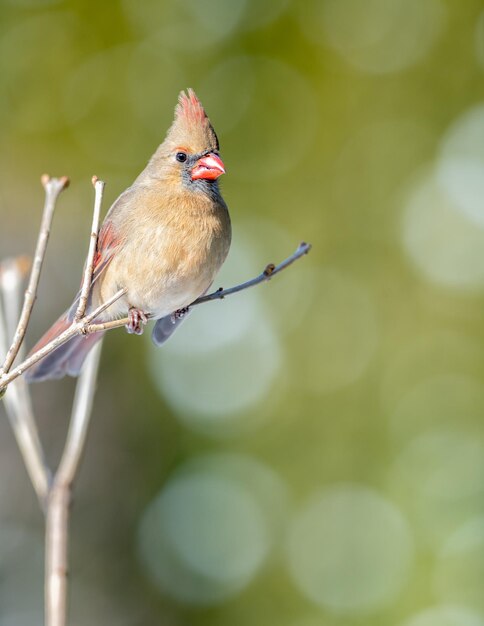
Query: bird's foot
{"points": [[179, 314], [137, 321]]}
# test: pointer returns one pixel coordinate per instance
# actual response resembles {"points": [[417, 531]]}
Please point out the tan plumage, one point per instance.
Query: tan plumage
{"points": [[164, 239]]}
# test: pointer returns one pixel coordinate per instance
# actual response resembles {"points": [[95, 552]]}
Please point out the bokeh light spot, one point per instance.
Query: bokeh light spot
{"points": [[463, 181], [460, 168], [350, 550], [446, 615], [207, 533], [459, 575], [208, 393], [465, 137], [443, 243]]}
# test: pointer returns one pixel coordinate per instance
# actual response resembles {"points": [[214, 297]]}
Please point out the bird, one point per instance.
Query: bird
{"points": [[163, 240]]}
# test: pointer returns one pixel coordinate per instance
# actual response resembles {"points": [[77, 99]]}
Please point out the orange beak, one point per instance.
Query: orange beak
{"points": [[209, 167]]}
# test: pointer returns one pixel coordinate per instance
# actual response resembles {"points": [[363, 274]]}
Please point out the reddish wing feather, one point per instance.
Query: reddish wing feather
{"points": [[106, 246]]}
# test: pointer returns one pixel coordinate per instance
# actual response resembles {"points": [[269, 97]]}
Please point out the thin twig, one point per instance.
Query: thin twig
{"points": [[76, 328], [85, 327], [57, 522], [88, 269], [269, 271], [18, 403], [53, 187]]}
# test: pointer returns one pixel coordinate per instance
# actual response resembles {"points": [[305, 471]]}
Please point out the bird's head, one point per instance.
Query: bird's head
{"points": [[190, 152]]}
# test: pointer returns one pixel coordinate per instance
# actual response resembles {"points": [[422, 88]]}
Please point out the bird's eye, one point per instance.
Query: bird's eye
{"points": [[181, 157]]}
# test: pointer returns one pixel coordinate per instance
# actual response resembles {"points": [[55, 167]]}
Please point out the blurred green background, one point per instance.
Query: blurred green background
{"points": [[309, 453]]}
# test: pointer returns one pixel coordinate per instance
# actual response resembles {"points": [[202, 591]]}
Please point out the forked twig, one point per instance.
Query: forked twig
{"points": [[76, 328], [54, 496]]}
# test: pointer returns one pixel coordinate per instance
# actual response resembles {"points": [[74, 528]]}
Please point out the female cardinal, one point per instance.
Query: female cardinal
{"points": [[163, 240]]}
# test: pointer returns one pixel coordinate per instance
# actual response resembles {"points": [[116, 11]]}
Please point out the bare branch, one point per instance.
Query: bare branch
{"points": [[84, 326], [270, 271], [87, 277], [57, 528], [53, 187], [76, 328], [18, 404]]}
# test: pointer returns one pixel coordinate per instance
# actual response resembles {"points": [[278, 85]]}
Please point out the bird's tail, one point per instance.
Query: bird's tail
{"points": [[67, 359]]}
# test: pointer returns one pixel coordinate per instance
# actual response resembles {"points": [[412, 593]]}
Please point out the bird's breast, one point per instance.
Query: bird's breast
{"points": [[166, 263]]}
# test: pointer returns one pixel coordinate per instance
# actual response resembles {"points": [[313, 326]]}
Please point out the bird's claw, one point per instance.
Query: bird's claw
{"points": [[137, 321], [179, 314]]}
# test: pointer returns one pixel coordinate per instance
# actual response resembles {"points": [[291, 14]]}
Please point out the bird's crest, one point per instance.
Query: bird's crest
{"points": [[189, 107], [191, 126]]}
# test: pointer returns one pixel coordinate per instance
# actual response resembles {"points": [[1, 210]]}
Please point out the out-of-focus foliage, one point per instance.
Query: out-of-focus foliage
{"points": [[309, 453]]}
